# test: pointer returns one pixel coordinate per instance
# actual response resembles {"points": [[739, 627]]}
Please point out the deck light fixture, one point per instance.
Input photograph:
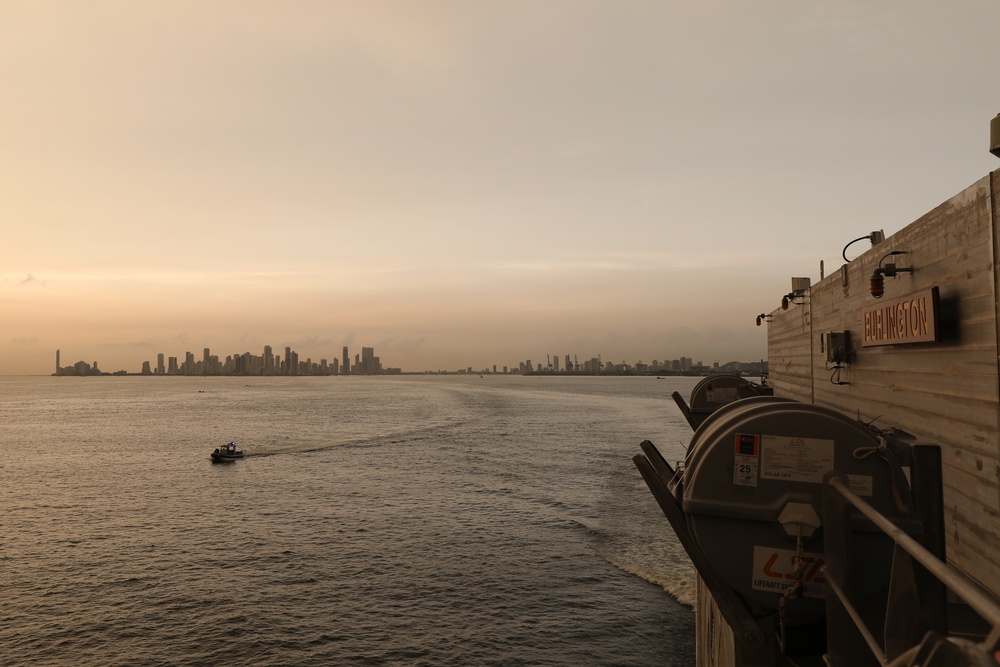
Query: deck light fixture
{"points": [[890, 270], [790, 298], [799, 288], [763, 317]]}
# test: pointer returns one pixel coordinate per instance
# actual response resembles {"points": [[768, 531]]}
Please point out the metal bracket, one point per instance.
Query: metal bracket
{"points": [[660, 477]]}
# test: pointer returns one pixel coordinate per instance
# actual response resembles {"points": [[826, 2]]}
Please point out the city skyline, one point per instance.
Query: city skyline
{"points": [[460, 184], [246, 363], [367, 363]]}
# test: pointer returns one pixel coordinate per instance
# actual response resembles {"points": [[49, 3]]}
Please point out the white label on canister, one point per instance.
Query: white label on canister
{"points": [[860, 484], [724, 395], [774, 571], [745, 471], [795, 459]]}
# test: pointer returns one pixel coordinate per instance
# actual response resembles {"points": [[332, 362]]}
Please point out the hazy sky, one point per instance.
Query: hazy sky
{"points": [[466, 182]]}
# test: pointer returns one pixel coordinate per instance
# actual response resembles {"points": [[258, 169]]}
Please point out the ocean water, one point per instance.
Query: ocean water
{"points": [[406, 520]]}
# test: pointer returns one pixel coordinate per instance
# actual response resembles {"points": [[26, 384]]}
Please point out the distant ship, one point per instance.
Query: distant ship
{"points": [[227, 452]]}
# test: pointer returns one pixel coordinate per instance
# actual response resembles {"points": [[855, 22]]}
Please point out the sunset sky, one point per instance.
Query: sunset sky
{"points": [[465, 182]]}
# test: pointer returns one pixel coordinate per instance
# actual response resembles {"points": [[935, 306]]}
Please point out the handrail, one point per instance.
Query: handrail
{"points": [[866, 634], [949, 576], [957, 582]]}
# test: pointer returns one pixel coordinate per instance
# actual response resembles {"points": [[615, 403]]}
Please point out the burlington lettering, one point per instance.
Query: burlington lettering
{"points": [[903, 320], [911, 319]]}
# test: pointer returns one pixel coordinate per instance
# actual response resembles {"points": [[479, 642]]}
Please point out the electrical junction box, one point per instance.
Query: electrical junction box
{"points": [[837, 345], [800, 285]]}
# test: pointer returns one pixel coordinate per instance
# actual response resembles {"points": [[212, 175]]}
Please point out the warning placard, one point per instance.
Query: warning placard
{"points": [[747, 444], [774, 571], [795, 459]]}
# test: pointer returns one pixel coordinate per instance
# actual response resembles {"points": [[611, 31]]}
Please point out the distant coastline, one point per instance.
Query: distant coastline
{"points": [[751, 369], [267, 364]]}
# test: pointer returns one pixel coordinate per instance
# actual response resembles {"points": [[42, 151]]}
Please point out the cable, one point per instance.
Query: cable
{"points": [[793, 591], [836, 372], [844, 252], [889, 254]]}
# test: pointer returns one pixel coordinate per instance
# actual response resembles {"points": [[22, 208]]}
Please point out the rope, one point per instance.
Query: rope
{"points": [[795, 589]]}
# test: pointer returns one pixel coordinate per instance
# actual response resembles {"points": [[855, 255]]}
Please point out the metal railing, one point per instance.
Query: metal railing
{"points": [[914, 619]]}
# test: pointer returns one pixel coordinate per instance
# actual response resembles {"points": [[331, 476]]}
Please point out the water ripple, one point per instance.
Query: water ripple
{"points": [[423, 521]]}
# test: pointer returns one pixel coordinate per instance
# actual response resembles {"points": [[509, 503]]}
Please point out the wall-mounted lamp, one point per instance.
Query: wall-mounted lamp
{"points": [[763, 317], [875, 237], [790, 298], [799, 287], [890, 270]]}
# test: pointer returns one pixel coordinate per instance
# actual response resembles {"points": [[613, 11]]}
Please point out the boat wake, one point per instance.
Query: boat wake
{"points": [[683, 589], [291, 445]]}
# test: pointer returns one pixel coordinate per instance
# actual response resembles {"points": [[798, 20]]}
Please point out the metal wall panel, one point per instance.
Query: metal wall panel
{"points": [[946, 392]]}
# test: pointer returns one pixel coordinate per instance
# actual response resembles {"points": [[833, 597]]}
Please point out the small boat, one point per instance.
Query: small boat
{"points": [[227, 452]]}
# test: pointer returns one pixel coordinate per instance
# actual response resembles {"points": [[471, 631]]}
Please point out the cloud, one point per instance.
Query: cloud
{"points": [[579, 150], [130, 344], [24, 341], [312, 342], [31, 280]]}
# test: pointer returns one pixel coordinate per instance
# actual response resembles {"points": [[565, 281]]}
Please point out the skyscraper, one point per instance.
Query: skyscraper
{"points": [[346, 370], [369, 362]]}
